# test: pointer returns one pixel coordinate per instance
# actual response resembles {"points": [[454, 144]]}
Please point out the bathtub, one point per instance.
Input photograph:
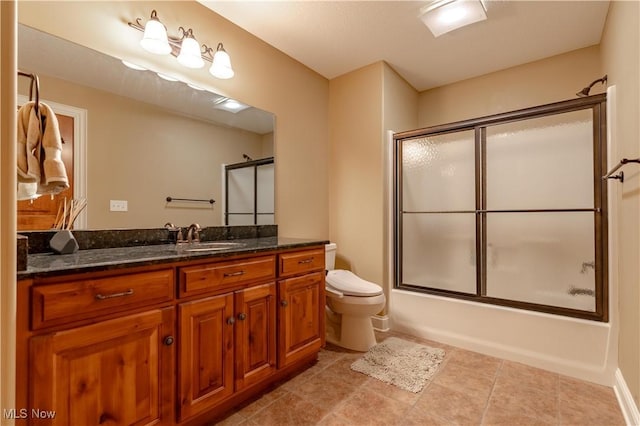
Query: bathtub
{"points": [[574, 347]]}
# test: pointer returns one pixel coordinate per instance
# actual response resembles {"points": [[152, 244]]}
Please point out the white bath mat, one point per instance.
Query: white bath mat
{"points": [[407, 365]]}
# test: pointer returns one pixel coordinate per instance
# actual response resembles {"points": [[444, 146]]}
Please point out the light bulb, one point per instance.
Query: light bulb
{"points": [[190, 55], [221, 66], [155, 36]]}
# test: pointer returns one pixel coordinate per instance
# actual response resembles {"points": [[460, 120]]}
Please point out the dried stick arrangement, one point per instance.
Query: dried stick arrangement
{"points": [[68, 212]]}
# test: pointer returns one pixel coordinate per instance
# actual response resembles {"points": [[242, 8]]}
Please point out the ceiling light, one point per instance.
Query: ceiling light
{"points": [[443, 16], [190, 55], [221, 63], [155, 38], [188, 51], [230, 105]]}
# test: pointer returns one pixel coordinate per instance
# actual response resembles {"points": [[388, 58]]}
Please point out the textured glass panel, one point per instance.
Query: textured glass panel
{"points": [[541, 163], [240, 191], [544, 258], [265, 188], [439, 251], [240, 219], [266, 219], [438, 172]]}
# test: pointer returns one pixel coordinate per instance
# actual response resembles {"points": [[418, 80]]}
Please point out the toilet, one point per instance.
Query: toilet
{"points": [[351, 301]]}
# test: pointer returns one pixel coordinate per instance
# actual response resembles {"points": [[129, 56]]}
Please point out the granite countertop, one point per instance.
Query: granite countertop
{"points": [[49, 264]]}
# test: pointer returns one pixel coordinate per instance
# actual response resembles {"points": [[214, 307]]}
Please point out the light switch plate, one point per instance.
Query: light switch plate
{"points": [[118, 206]]}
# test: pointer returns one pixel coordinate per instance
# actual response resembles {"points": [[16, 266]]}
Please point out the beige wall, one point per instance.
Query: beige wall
{"points": [[355, 157], [142, 153], [400, 112], [8, 89], [620, 47], [363, 105], [265, 78], [549, 80]]}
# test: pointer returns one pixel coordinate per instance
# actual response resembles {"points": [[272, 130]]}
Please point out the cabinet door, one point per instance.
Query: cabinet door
{"points": [[205, 356], [118, 372], [301, 317], [255, 334]]}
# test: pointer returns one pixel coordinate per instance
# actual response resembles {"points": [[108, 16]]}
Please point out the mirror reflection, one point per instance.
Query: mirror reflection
{"points": [[132, 139]]}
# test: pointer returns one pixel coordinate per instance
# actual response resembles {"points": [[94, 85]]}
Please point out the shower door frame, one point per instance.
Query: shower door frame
{"points": [[597, 103], [252, 164]]}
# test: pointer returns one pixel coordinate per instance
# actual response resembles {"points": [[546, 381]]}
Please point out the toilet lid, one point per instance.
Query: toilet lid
{"points": [[350, 284]]}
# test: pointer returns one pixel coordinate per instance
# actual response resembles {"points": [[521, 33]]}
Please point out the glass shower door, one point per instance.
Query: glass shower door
{"points": [[438, 212], [540, 211], [508, 209], [241, 193], [249, 192]]}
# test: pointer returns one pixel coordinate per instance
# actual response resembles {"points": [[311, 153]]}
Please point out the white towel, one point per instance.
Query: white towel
{"points": [[39, 152]]}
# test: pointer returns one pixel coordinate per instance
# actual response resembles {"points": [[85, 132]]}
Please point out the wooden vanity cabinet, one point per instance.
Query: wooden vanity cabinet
{"points": [[166, 344], [118, 371], [205, 354], [97, 349], [301, 329], [227, 341]]}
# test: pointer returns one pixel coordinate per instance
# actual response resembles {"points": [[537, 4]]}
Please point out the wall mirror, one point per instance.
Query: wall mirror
{"points": [[145, 138]]}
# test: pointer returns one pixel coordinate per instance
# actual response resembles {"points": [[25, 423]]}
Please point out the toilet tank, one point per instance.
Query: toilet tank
{"points": [[330, 256]]}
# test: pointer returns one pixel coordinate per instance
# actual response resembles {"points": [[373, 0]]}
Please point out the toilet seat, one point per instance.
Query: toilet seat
{"points": [[350, 284]]}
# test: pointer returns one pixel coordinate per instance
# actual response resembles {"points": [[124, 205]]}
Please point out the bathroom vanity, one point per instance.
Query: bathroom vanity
{"points": [[147, 335]]}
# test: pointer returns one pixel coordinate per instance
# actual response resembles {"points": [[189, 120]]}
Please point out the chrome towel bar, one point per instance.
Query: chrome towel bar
{"points": [[620, 175], [210, 201]]}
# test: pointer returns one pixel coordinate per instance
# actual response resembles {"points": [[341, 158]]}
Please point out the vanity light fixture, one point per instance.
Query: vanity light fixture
{"points": [[190, 55], [185, 47], [220, 63], [443, 16], [155, 39]]}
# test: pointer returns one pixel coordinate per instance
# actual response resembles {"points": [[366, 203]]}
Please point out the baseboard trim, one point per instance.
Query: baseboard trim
{"points": [[380, 322], [626, 401]]}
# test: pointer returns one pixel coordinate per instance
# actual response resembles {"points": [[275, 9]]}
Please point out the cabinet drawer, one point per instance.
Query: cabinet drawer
{"points": [[212, 276], [301, 261], [76, 300]]}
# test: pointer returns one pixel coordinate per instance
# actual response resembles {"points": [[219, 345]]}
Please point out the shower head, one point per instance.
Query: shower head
{"points": [[585, 92], [246, 157]]}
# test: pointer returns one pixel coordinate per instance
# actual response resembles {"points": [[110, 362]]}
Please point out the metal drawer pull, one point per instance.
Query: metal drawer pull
{"points": [[111, 296], [234, 274], [300, 262]]}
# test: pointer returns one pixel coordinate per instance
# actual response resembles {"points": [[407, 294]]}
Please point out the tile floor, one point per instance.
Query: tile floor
{"points": [[468, 389]]}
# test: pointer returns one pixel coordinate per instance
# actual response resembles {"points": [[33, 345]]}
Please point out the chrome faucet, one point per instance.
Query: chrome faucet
{"points": [[586, 265], [172, 228], [193, 233]]}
